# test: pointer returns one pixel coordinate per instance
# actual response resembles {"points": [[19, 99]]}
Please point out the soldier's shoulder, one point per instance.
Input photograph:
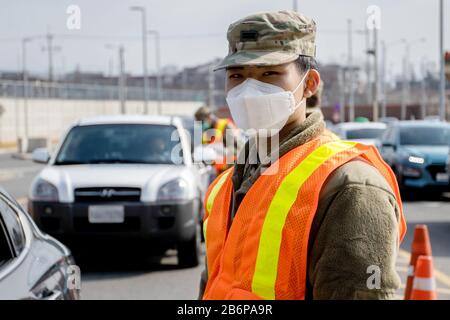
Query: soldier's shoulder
{"points": [[355, 172]]}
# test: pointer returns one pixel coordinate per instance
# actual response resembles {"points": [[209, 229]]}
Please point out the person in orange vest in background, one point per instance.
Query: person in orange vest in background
{"points": [[222, 133], [315, 217]]}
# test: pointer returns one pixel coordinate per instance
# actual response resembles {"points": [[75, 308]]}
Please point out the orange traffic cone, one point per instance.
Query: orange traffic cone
{"points": [[424, 285], [421, 246]]}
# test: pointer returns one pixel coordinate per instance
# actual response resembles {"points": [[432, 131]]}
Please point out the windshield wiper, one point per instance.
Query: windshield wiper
{"points": [[68, 162], [100, 161]]}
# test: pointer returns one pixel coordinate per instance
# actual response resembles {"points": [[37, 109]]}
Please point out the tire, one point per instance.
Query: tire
{"points": [[189, 252]]}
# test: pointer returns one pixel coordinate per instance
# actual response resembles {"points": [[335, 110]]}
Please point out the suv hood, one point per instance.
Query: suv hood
{"points": [[147, 177]]}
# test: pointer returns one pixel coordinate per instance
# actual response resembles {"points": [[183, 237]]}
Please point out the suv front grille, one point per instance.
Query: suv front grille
{"points": [[107, 194]]}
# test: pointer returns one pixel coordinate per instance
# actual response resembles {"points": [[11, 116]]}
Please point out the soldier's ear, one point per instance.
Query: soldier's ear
{"points": [[311, 83]]}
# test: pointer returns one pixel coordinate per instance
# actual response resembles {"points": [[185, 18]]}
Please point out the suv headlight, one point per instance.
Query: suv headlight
{"points": [[176, 189], [45, 191]]}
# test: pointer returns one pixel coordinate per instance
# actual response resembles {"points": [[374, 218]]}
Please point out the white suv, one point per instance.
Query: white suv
{"points": [[117, 177]]}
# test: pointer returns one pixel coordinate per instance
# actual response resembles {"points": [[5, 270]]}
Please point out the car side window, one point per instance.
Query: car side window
{"points": [[385, 134], [6, 250], [389, 136], [13, 227]]}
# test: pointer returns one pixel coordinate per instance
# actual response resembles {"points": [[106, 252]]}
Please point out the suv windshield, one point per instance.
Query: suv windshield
{"points": [[366, 133], [430, 136], [120, 143]]}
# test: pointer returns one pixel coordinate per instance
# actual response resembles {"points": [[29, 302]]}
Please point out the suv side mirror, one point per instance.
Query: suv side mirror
{"points": [[40, 155]]}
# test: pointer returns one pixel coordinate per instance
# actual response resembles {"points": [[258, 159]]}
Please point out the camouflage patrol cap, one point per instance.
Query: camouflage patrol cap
{"points": [[269, 38]]}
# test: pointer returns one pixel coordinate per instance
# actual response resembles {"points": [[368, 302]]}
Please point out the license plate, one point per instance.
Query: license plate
{"points": [[442, 177], [106, 214]]}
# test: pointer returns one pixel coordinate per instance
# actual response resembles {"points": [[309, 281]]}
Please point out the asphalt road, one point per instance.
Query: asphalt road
{"points": [[116, 277]]}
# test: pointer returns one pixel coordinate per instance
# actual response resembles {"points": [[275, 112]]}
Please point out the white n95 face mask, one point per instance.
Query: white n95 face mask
{"points": [[259, 105]]}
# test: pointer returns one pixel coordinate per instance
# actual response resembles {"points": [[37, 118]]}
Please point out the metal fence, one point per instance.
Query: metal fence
{"points": [[45, 90]]}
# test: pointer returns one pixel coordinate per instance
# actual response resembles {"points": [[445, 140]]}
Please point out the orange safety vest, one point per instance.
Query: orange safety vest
{"points": [[263, 255], [221, 125]]}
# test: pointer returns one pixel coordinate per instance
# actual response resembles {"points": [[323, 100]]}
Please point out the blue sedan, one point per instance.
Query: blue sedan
{"points": [[418, 151]]}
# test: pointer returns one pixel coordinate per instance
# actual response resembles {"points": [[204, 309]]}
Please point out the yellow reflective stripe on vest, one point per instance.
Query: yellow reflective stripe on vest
{"points": [[210, 200], [265, 276], [215, 190], [205, 226], [221, 126]]}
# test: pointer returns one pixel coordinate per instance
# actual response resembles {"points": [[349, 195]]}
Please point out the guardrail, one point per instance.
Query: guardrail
{"points": [[75, 91]]}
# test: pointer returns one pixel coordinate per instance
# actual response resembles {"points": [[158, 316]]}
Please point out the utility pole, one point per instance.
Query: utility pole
{"points": [[405, 79], [442, 98], [121, 83], [158, 69], [368, 73], [144, 54], [351, 99], [50, 51], [211, 88], [341, 94], [24, 143], [294, 5], [122, 80], [50, 56], [384, 53], [423, 92], [375, 69], [406, 76], [383, 80]]}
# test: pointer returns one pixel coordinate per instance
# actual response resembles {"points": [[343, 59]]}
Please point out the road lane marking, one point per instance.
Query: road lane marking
{"points": [[443, 291], [440, 276], [402, 269]]}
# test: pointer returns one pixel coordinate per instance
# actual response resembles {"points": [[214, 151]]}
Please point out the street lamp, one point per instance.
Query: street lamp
{"points": [[405, 85], [25, 41], [158, 69], [384, 49], [121, 82], [442, 111], [351, 98], [365, 32], [144, 52]]}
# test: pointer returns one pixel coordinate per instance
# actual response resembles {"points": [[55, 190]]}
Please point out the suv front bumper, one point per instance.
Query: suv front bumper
{"points": [[165, 222]]}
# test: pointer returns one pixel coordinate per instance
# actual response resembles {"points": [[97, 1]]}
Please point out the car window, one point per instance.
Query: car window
{"points": [[13, 227], [364, 133], [389, 136], [6, 253], [426, 136], [385, 134], [120, 143]]}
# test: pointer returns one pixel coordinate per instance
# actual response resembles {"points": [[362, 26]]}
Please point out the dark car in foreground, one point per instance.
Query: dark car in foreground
{"points": [[418, 152], [33, 265]]}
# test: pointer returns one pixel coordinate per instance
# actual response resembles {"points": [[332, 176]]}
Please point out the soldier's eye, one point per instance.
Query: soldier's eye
{"points": [[270, 73], [235, 76]]}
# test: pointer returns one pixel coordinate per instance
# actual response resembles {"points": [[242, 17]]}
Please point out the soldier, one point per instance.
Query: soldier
{"points": [[328, 214]]}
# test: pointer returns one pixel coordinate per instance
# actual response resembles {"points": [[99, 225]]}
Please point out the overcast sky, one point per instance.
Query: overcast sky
{"points": [[194, 31]]}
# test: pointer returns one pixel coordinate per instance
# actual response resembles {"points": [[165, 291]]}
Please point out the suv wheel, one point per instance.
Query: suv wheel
{"points": [[189, 252]]}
